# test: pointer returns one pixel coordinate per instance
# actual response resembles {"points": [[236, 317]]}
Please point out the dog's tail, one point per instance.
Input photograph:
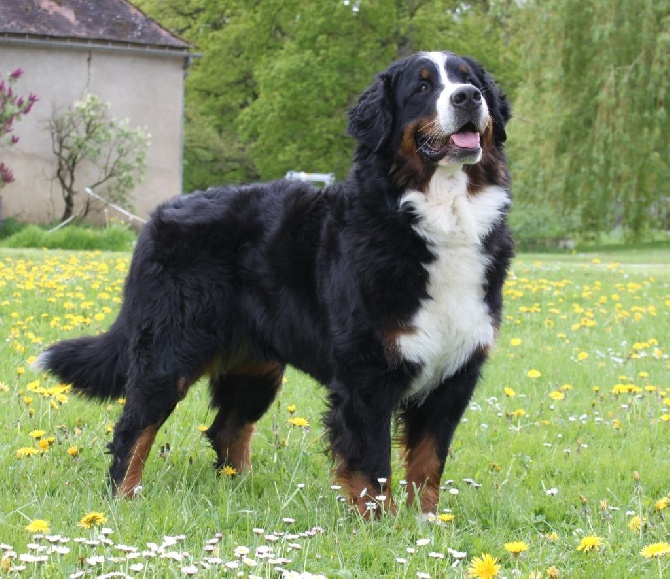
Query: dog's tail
{"points": [[97, 366]]}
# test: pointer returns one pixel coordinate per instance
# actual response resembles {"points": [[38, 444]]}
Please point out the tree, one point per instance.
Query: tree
{"points": [[276, 77], [89, 144], [12, 109], [591, 134]]}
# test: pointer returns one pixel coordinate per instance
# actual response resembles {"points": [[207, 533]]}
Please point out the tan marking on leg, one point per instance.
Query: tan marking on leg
{"points": [[362, 493], [423, 472], [183, 386], [138, 456], [236, 448]]}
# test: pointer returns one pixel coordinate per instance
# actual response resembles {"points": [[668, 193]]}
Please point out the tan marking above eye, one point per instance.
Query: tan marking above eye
{"points": [[425, 73], [464, 69]]}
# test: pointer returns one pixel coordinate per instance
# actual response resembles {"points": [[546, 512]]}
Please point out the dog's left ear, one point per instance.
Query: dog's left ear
{"points": [[499, 108], [371, 118]]}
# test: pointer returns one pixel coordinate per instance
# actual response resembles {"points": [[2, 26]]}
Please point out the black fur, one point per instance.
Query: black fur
{"points": [[237, 282]]}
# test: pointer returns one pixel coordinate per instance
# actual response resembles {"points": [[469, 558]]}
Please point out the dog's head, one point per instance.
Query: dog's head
{"points": [[430, 109]]}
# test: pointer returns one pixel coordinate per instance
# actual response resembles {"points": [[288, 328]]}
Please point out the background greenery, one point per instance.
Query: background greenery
{"points": [[588, 81]]}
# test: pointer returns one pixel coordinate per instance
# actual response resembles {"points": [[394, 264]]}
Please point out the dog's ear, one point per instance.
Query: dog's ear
{"points": [[497, 103], [371, 118]]}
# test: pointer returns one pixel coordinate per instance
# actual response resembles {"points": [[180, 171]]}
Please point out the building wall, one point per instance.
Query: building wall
{"points": [[143, 87]]}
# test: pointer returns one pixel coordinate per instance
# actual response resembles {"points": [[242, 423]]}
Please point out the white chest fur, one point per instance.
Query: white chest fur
{"points": [[455, 321]]}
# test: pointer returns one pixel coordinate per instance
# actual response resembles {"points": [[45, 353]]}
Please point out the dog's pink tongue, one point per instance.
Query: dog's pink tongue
{"points": [[466, 140]]}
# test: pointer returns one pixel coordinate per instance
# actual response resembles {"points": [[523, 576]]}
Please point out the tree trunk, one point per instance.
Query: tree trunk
{"points": [[69, 207]]}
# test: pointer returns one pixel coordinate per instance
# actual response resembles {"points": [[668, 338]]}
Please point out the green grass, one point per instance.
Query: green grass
{"points": [[590, 322], [115, 237]]}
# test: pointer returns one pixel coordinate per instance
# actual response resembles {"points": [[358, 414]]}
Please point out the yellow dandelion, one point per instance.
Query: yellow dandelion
{"points": [[509, 392], [92, 519], [656, 550], [590, 543], [663, 503], [26, 451], [298, 421], [515, 342], [38, 526], [534, 373], [516, 547], [665, 417], [228, 471], [519, 413], [636, 523], [445, 518], [484, 567], [291, 408], [552, 573], [557, 395], [73, 451], [582, 356], [553, 536], [37, 434], [202, 427], [44, 445]]}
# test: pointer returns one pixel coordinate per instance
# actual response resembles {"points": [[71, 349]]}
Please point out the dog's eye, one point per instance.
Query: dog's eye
{"points": [[424, 87]]}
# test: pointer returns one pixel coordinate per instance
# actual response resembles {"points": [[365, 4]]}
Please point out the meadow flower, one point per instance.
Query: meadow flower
{"points": [[509, 392], [636, 523], [228, 471], [484, 567], [590, 543], [515, 342], [662, 503], [656, 550], [36, 434], [444, 518], [516, 547], [291, 408], [73, 451], [557, 395], [533, 373], [92, 519], [299, 421], [38, 526], [552, 573], [26, 451]]}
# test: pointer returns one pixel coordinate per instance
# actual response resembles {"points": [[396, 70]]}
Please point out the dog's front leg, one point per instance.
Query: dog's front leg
{"points": [[359, 423], [428, 427]]}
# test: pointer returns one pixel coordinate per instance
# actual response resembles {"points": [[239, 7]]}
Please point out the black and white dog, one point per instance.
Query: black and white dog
{"points": [[386, 287]]}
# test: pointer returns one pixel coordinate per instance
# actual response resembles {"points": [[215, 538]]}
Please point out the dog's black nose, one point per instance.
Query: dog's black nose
{"points": [[466, 97]]}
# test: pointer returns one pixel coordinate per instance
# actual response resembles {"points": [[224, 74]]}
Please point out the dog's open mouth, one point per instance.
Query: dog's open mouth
{"points": [[435, 147]]}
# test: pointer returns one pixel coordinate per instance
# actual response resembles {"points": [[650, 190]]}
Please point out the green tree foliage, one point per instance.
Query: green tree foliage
{"points": [[276, 77], [590, 139], [89, 144]]}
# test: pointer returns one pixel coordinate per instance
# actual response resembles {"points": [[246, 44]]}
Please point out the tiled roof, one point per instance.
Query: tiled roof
{"points": [[115, 21]]}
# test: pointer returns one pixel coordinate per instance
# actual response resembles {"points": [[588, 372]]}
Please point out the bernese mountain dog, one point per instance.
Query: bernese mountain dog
{"points": [[385, 287]]}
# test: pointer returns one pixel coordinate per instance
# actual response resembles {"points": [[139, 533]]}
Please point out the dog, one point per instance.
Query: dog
{"points": [[385, 287]]}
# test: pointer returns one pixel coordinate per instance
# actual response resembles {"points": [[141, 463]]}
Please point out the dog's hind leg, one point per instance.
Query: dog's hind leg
{"points": [[147, 407], [241, 395]]}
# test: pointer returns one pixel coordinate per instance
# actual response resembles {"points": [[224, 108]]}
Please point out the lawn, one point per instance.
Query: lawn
{"points": [[561, 467]]}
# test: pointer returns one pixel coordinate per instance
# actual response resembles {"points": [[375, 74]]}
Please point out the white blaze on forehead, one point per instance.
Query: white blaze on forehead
{"points": [[445, 110]]}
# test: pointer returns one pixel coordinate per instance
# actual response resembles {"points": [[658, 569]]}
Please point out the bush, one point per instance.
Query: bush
{"points": [[114, 238], [535, 227]]}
